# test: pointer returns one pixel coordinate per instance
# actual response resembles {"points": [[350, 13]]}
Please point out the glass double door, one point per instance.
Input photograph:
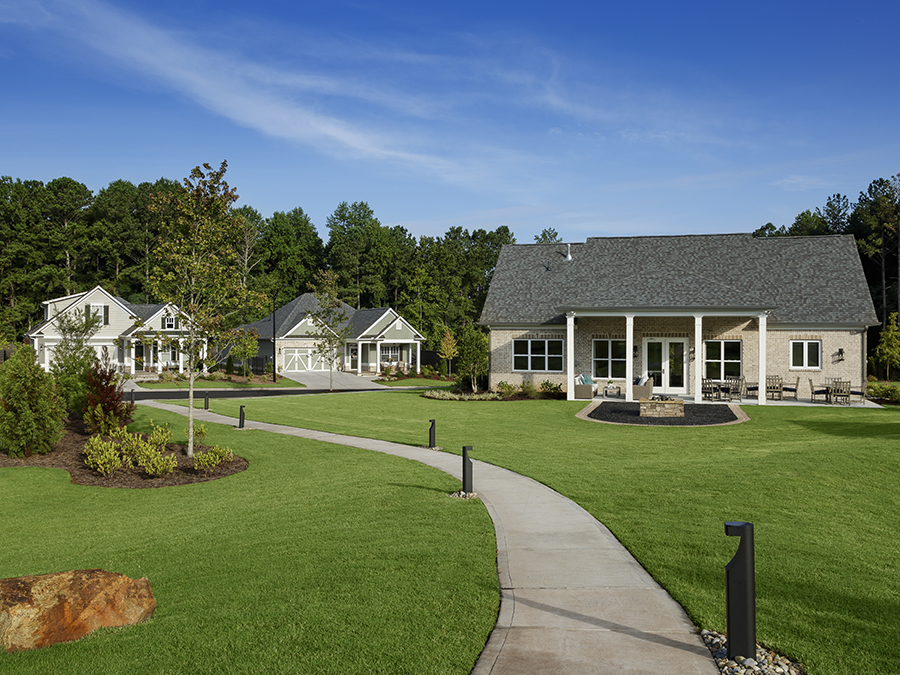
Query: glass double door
{"points": [[666, 360]]}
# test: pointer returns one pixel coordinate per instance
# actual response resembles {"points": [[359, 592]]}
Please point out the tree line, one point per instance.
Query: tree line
{"points": [[874, 220], [59, 238]]}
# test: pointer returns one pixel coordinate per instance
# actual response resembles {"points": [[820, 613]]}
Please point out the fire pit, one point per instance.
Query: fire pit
{"points": [[662, 406]]}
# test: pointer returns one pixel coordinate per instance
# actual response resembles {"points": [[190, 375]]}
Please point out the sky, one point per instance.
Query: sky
{"points": [[592, 118]]}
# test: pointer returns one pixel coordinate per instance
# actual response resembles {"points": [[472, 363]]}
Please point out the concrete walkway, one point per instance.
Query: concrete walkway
{"points": [[573, 600]]}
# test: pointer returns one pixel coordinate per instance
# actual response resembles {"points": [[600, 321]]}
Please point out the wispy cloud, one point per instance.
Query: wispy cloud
{"points": [[795, 183]]}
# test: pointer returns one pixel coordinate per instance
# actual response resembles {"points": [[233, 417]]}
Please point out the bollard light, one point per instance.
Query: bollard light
{"points": [[740, 594], [241, 420], [467, 470], [206, 401], [431, 435]]}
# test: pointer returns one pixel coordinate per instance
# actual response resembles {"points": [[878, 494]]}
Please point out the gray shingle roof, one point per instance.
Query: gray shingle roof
{"points": [[800, 279], [289, 315]]}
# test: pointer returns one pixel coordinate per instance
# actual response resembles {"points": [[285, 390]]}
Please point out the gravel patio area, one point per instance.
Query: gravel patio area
{"points": [[695, 415]]}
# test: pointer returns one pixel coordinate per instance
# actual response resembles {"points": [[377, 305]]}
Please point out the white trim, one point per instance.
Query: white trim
{"points": [[629, 356], [570, 356], [761, 391]]}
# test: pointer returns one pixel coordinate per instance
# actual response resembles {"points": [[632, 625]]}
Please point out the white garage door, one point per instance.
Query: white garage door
{"points": [[303, 359]]}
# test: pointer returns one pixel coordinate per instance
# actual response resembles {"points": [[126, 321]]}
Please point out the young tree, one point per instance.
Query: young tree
{"points": [[888, 350], [105, 407], [244, 346], [473, 354], [331, 317], [198, 266], [31, 417], [448, 350], [73, 357]]}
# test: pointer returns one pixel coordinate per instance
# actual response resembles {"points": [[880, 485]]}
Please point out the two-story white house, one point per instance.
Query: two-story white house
{"points": [[137, 337]]}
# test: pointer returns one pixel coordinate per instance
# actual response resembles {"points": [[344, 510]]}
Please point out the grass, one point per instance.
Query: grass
{"points": [[317, 559], [223, 384], [819, 484]]}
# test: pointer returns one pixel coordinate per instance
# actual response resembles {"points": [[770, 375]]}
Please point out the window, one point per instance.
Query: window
{"points": [[806, 354], [538, 355], [99, 311], [609, 358], [169, 323], [390, 353], [723, 359]]}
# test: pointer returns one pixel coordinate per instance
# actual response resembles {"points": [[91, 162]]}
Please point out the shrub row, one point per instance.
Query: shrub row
{"points": [[891, 392]]}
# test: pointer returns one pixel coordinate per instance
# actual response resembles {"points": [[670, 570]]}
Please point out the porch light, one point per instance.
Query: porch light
{"points": [[840, 354]]}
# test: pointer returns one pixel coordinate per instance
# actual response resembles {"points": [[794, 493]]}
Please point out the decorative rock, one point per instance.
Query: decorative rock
{"points": [[39, 611], [464, 495]]}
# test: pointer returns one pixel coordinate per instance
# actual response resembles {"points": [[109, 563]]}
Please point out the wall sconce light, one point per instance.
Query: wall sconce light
{"points": [[637, 351], [840, 354]]}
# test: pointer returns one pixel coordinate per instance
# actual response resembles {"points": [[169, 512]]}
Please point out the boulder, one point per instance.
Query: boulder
{"points": [[39, 611]]}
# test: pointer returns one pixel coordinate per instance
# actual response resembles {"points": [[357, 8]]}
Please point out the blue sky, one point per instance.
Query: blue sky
{"points": [[596, 119]]}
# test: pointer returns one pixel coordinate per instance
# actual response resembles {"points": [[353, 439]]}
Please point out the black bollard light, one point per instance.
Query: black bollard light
{"points": [[241, 420], [206, 401], [467, 470], [431, 434], [740, 594]]}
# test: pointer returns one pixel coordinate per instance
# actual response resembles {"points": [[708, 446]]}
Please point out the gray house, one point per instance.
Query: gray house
{"points": [[676, 310], [377, 338]]}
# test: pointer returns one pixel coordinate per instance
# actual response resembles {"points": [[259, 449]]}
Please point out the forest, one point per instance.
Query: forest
{"points": [[59, 238]]}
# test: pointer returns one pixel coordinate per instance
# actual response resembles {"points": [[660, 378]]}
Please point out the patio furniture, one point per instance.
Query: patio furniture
{"points": [[643, 387], [584, 387], [791, 391], [751, 389], [859, 392], [612, 391], [817, 391], [840, 392], [774, 387], [709, 389]]}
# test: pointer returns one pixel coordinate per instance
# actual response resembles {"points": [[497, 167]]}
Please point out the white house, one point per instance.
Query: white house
{"points": [[137, 337]]}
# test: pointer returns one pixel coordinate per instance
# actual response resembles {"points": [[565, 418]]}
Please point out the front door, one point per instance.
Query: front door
{"points": [[667, 364]]}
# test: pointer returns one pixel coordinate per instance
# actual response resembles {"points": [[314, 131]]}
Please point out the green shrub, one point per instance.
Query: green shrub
{"points": [[506, 389], [199, 434], [159, 436], [105, 406], [442, 369], [548, 387], [427, 371], [97, 421], [103, 456], [154, 463], [443, 395], [229, 365], [31, 415], [210, 459], [527, 389]]}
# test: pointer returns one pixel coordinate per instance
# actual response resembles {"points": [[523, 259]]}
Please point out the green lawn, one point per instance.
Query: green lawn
{"points": [[819, 484], [317, 559], [223, 384]]}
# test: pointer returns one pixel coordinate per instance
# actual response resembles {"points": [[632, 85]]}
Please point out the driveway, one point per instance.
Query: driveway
{"points": [[342, 381]]}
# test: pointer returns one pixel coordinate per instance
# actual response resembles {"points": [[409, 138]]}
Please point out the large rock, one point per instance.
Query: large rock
{"points": [[39, 611]]}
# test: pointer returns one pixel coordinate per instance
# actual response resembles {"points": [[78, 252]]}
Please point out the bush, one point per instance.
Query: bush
{"points": [[159, 436], [154, 463], [506, 389], [199, 434], [31, 415], [102, 456], [105, 406], [443, 395], [427, 372], [209, 460], [229, 365], [528, 391], [548, 387], [442, 369]]}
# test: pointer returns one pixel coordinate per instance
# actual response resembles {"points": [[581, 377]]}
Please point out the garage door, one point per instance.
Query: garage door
{"points": [[300, 360]]}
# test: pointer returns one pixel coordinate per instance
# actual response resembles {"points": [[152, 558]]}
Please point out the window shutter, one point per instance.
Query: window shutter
{"points": [[87, 311], [105, 315], [176, 323]]}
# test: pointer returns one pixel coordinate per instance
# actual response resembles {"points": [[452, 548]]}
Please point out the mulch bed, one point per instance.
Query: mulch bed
{"points": [[694, 415], [68, 455]]}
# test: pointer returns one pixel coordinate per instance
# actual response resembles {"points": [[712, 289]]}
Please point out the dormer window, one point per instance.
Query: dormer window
{"points": [[169, 323], [98, 311]]}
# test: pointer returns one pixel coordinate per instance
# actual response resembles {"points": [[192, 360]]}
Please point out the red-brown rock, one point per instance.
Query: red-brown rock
{"points": [[39, 611]]}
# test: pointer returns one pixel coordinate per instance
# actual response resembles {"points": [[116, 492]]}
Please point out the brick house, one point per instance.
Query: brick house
{"points": [[679, 309]]}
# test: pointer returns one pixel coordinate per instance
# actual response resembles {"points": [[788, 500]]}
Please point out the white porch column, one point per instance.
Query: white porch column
{"points": [[418, 357], [148, 360], [180, 355], [698, 358], [761, 392], [570, 356], [629, 357], [377, 357], [131, 356]]}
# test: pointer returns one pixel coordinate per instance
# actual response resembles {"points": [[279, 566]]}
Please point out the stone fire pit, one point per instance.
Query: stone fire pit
{"points": [[662, 406]]}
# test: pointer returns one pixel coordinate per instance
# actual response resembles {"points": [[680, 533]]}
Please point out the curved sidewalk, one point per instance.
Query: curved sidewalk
{"points": [[573, 600]]}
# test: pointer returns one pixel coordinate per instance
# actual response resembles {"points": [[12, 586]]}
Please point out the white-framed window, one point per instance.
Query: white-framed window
{"points": [[544, 356], [609, 358], [723, 359], [390, 353], [101, 312], [169, 323], [806, 354]]}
